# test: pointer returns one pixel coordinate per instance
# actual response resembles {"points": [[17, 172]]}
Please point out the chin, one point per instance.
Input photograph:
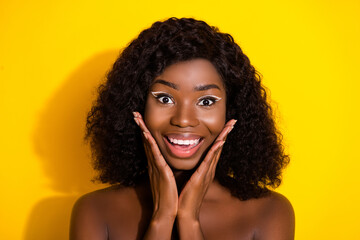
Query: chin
{"points": [[182, 164]]}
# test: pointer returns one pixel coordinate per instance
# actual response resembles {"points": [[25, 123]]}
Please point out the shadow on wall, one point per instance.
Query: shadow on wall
{"points": [[65, 158]]}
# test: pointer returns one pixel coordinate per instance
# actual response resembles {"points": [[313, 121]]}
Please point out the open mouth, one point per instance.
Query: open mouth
{"points": [[183, 148], [184, 143]]}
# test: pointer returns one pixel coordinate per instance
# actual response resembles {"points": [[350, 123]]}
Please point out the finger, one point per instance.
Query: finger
{"points": [[226, 130], [204, 173], [158, 160], [202, 176], [149, 157], [152, 148], [204, 166], [216, 155], [140, 121], [215, 160], [218, 145], [213, 155], [153, 145]]}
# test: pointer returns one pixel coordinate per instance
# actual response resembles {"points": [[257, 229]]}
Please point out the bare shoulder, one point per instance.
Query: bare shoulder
{"points": [[94, 201], [86, 222], [276, 218], [90, 212]]}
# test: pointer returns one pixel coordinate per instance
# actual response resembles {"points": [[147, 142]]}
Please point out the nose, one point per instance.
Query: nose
{"points": [[184, 116]]}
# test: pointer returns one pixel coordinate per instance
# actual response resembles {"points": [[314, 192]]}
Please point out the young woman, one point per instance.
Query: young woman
{"points": [[160, 134]]}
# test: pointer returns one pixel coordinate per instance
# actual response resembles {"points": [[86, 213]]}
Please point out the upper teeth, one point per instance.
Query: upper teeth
{"points": [[184, 142]]}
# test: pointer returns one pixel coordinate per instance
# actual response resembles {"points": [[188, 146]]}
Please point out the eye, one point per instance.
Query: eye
{"points": [[163, 97], [208, 100]]}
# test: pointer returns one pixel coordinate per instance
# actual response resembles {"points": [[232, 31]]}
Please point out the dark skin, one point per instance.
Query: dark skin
{"points": [[184, 130]]}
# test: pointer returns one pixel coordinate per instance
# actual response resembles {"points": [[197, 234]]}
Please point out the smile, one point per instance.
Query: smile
{"points": [[183, 147], [184, 142]]}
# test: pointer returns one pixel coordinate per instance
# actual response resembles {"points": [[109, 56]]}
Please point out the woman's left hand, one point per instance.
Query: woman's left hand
{"points": [[195, 189]]}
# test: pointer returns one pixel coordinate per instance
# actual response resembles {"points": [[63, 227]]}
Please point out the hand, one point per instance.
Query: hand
{"points": [[195, 189], [162, 180]]}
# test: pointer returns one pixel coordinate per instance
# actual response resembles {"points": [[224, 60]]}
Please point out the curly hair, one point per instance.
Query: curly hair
{"points": [[253, 158]]}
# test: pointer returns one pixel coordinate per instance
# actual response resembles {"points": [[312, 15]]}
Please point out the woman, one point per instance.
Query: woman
{"points": [[158, 132]]}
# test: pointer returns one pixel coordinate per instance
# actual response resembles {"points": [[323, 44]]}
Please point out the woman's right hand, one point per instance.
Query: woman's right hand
{"points": [[163, 186]]}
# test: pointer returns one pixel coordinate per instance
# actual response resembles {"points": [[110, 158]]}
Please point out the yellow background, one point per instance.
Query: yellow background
{"points": [[53, 54]]}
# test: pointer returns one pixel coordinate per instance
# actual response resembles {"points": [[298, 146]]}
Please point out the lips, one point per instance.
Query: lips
{"points": [[183, 146]]}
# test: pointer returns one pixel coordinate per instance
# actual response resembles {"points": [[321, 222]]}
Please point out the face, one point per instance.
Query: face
{"points": [[185, 111]]}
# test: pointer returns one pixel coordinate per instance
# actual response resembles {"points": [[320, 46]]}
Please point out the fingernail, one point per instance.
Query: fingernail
{"points": [[145, 135], [230, 129], [234, 122], [137, 121], [135, 115]]}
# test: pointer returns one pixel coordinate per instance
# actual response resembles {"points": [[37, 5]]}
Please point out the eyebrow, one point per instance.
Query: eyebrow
{"points": [[206, 87], [169, 84], [197, 88]]}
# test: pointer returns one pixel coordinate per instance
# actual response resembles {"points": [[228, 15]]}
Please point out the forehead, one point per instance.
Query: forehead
{"points": [[190, 74]]}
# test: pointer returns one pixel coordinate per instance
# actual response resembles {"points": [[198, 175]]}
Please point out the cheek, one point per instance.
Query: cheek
{"points": [[154, 116], [214, 120]]}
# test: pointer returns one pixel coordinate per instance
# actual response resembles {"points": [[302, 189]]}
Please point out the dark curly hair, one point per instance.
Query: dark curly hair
{"points": [[251, 161]]}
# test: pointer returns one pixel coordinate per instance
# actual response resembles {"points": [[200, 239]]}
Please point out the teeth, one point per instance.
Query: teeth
{"points": [[184, 142]]}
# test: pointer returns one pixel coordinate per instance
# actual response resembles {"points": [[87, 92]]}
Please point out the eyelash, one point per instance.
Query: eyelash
{"points": [[209, 98], [163, 95], [160, 96]]}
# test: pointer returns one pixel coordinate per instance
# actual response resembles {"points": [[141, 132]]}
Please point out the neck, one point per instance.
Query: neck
{"points": [[182, 177], [215, 190]]}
